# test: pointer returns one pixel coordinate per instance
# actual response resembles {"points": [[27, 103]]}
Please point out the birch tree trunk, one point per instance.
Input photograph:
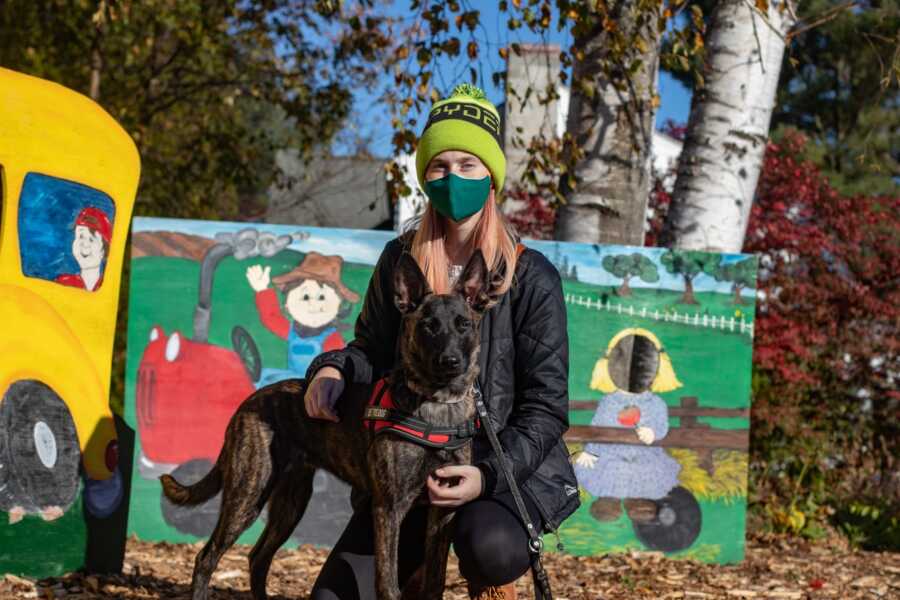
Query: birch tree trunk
{"points": [[611, 118], [728, 126]]}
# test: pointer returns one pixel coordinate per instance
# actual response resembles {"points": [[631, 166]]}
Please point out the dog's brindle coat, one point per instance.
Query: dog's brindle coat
{"points": [[272, 447]]}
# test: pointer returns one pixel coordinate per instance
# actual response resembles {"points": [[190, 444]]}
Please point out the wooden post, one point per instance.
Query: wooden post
{"points": [[678, 437]]}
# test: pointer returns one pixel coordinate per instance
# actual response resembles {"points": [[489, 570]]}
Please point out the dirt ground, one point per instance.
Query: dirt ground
{"points": [[775, 567]]}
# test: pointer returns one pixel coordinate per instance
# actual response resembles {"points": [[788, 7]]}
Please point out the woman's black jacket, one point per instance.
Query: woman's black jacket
{"points": [[524, 362]]}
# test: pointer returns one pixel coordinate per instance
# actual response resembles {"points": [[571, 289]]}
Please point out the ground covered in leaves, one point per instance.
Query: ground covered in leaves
{"points": [[775, 567]]}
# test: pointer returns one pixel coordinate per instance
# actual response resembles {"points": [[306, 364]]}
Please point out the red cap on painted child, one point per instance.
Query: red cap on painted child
{"points": [[96, 220]]}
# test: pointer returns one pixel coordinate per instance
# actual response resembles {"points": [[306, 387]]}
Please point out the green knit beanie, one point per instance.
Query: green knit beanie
{"points": [[466, 120]]}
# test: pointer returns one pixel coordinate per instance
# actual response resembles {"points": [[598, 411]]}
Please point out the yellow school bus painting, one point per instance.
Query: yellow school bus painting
{"points": [[68, 178]]}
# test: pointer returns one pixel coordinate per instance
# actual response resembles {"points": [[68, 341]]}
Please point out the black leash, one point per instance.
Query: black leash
{"points": [[535, 543]]}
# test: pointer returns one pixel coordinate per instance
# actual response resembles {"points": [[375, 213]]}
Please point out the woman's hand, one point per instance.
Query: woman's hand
{"points": [[442, 493], [322, 393]]}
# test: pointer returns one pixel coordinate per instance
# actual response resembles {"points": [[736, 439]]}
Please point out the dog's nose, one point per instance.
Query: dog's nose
{"points": [[449, 361]]}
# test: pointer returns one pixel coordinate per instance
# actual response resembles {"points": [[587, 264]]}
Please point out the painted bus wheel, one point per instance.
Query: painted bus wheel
{"points": [[6, 499], [41, 448], [199, 520], [676, 525]]}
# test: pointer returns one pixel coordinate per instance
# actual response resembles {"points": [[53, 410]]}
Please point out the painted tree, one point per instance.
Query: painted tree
{"points": [[626, 266], [690, 264], [741, 274], [728, 125]]}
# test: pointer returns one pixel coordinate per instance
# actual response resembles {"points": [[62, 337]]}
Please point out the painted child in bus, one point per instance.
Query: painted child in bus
{"points": [[316, 302], [90, 247]]}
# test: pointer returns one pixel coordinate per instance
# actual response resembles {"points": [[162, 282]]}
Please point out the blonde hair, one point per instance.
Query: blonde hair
{"points": [[665, 380], [493, 235]]}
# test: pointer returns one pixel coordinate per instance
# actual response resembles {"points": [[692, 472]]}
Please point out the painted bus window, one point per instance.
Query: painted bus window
{"points": [[65, 229]]}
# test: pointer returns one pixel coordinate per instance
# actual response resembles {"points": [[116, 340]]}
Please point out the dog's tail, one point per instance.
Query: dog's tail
{"points": [[199, 492]]}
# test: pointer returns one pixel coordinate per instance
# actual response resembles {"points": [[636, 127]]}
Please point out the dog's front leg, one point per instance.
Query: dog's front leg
{"points": [[437, 547], [387, 517]]}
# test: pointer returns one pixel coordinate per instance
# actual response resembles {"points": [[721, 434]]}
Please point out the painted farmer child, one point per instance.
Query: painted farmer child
{"points": [[634, 367], [315, 300], [90, 248]]}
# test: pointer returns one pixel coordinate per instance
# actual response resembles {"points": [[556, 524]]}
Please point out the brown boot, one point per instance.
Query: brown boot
{"points": [[493, 592], [606, 509], [640, 510]]}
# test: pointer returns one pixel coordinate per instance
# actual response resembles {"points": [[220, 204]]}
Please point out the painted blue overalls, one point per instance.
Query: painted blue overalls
{"points": [[301, 351]]}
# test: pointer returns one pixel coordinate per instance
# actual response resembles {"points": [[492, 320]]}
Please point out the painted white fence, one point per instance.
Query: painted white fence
{"points": [[697, 320]]}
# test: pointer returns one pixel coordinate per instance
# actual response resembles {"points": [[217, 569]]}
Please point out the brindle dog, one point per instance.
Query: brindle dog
{"points": [[272, 447]]}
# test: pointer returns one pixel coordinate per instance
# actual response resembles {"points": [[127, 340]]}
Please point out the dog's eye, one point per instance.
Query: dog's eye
{"points": [[306, 297], [430, 326], [463, 323]]}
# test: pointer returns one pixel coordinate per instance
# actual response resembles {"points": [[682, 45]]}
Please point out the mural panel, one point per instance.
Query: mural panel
{"points": [[68, 177], [660, 348]]}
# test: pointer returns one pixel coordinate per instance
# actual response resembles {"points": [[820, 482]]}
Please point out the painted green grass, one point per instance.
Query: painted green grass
{"points": [[714, 365], [721, 539], [708, 303], [34, 548]]}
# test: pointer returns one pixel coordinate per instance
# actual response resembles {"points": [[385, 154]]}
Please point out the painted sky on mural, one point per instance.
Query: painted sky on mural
{"points": [[364, 246]]}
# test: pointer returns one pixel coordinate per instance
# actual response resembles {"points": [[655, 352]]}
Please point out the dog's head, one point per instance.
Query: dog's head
{"points": [[440, 335]]}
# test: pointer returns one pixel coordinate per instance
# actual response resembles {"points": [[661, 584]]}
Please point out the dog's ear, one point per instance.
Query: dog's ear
{"points": [[410, 285], [473, 284]]}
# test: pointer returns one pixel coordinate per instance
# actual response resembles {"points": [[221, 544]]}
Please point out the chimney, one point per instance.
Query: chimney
{"points": [[537, 66]]}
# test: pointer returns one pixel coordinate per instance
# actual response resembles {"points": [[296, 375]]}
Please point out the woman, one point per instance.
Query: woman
{"points": [[523, 359]]}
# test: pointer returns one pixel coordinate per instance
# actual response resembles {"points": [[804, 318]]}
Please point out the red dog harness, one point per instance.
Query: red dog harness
{"points": [[382, 416]]}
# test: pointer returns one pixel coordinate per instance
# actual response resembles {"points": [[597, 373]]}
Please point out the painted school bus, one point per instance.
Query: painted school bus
{"points": [[68, 179]]}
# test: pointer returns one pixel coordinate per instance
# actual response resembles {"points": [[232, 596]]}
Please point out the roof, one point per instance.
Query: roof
{"points": [[330, 191]]}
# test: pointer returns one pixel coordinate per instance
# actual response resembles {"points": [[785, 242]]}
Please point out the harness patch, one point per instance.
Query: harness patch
{"points": [[382, 416]]}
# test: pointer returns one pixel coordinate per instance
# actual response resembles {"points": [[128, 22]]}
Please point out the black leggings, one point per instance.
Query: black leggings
{"points": [[489, 540]]}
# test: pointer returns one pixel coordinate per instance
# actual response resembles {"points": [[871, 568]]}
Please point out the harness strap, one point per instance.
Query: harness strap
{"points": [[535, 543], [382, 417]]}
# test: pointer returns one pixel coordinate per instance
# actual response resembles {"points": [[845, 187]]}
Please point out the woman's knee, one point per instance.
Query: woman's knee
{"points": [[491, 551]]}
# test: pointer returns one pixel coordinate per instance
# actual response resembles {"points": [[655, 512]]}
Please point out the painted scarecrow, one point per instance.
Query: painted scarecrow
{"points": [[316, 301]]}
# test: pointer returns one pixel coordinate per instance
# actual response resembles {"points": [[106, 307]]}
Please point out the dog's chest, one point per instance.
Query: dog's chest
{"points": [[444, 414]]}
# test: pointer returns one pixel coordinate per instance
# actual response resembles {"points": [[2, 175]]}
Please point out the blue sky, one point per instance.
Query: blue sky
{"points": [[372, 119], [364, 246]]}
